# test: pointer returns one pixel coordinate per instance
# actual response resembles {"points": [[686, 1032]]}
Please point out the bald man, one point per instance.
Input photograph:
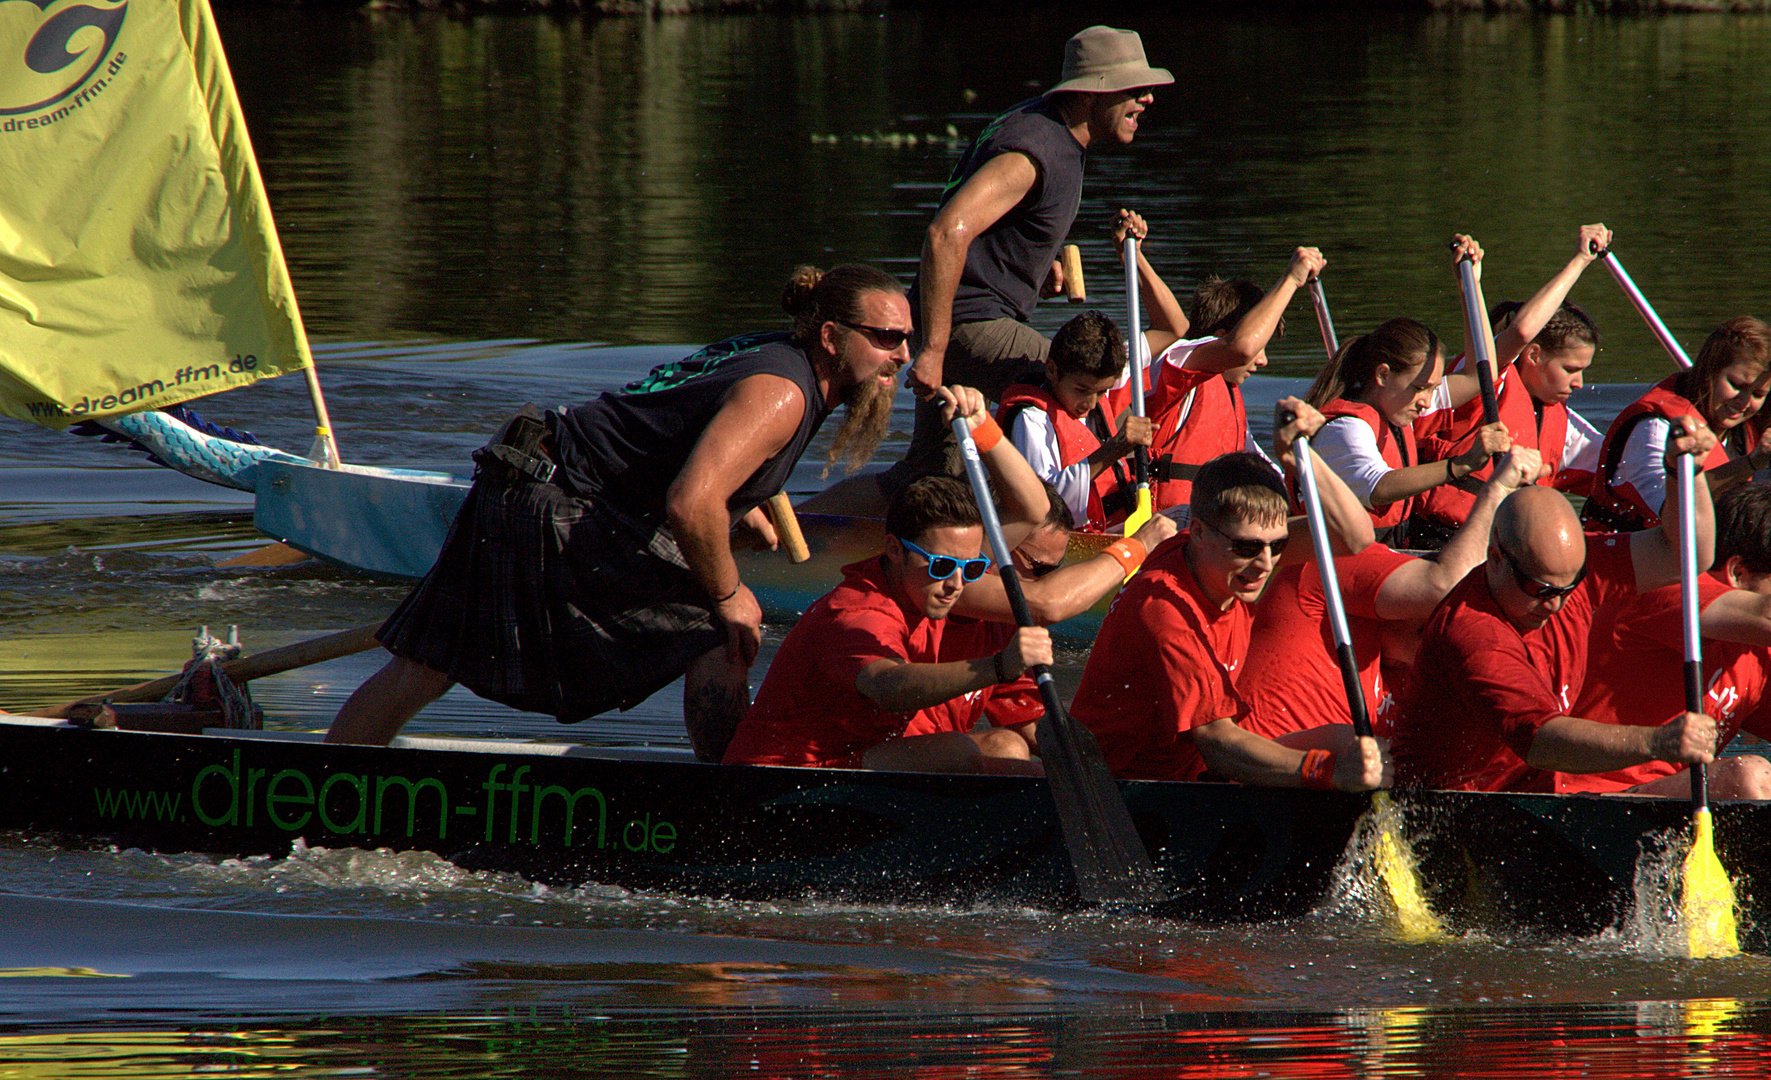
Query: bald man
{"points": [[1486, 707]]}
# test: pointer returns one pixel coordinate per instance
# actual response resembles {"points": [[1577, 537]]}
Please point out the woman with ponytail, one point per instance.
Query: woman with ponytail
{"points": [[1372, 392]]}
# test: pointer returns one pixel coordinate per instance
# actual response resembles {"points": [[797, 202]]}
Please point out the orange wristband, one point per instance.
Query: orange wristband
{"points": [[1129, 553], [987, 435], [1318, 769]]}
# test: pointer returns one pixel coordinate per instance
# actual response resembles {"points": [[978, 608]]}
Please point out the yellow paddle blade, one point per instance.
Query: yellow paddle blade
{"points": [[1401, 882], [1139, 515], [1707, 905]]}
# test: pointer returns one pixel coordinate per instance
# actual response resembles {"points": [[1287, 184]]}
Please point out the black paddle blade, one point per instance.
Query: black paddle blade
{"points": [[1106, 853]]}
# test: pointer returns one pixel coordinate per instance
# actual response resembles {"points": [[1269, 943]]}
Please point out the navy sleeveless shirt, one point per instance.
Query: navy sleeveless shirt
{"points": [[1007, 264], [627, 446]]}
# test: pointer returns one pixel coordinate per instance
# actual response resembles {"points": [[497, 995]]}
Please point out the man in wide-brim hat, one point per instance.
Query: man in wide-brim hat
{"points": [[991, 251]]}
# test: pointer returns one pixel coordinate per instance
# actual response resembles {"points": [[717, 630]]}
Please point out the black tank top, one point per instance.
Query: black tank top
{"points": [[1005, 267], [628, 446]]}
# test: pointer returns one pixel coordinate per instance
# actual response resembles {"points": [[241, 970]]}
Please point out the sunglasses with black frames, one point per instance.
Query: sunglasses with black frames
{"points": [[1244, 548], [1540, 590], [885, 339], [941, 567]]}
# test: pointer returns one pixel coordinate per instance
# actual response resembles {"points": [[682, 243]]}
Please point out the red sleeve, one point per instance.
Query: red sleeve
{"points": [[1658, 618], [1361, 576], [1188, 686], [857, 637]]}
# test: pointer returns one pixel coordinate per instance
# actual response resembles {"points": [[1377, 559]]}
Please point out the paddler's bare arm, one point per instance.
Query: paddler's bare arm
{"points": [[1570, 744], [1399, 484], [901, 686], [1535, 313], [1168, 322], [1415, 589], [1232, 752], [1022, 493], [1064, 593], [758, 419], [1256, 329], [991, 192], [1655, 552], [1349, 526]]}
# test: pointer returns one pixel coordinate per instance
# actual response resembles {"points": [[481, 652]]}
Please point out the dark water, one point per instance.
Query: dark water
{"points": [[480, 213]]}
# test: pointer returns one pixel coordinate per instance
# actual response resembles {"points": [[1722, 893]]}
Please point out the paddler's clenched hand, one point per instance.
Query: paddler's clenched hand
{"points": [[1303, 420], [963, 401], [1689, 435], [924, 377], [1031, 645], [1593, 239], [1159, 528], [1128, 223], [1367, 770], [744, 625], [1687, 739], [1462, 246], [1522, 465], [1306, 263]]}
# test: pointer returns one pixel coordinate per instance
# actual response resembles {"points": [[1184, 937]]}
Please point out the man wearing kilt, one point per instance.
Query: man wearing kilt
{"points": [[591, 564]]}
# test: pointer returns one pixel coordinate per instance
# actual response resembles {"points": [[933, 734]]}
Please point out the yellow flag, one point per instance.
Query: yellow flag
{"points": [[139, 265]]}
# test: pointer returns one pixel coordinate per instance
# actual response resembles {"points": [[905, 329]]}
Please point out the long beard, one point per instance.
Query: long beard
{"points": [[864, 425]]}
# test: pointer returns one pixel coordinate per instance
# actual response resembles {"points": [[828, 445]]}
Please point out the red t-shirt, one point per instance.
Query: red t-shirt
{"points": [[808, 711], [1164, 663], [1005, 705], [1636, 676], [1292, 681], [1480, 688]]}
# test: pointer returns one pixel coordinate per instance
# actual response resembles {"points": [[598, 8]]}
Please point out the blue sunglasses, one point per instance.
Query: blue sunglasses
{"points": [[941, 567]]}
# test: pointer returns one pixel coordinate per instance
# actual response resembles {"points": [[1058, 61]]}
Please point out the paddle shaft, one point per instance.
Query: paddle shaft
{"points": [[1106, 853], [245, 668], [1134, 343], [1331, 586], [1689, 614], [1643, 308], [1481, 340], [1324, 321]]}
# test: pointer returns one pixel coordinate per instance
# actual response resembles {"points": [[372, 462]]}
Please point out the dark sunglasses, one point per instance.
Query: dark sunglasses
{"points": [[885, 339], [941, 567], [1249, 549], [1540, 590]]}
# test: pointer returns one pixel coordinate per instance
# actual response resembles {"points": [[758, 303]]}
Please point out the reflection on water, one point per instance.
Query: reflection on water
{"points": [[653, 180]]}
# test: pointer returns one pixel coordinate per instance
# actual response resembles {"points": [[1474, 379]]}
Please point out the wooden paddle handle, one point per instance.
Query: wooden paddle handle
{"points": [[787, 527], [1074, 289], [244, 668]]}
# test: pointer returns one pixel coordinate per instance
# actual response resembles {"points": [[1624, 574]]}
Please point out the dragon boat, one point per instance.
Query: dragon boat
{"points": [[655, 819]]}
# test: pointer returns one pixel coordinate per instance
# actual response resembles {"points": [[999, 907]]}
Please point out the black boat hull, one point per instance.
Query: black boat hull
{"points": [[660, 821]]}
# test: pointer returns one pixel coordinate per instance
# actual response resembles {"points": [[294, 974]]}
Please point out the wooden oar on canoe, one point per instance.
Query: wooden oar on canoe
{"points": [[787, 529], [1074, 290], [1394, 865], [1706, 906], [243, 668], [1105, 852]]}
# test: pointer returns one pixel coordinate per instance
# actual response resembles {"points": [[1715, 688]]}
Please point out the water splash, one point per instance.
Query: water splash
{"points": [[1659, 925], [1377, 884]]}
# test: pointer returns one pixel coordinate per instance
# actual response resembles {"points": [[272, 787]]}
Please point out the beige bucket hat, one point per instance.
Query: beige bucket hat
{"points": [[1100, 60]]}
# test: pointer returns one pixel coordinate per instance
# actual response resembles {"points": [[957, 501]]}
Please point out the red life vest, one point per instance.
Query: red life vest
{"points": [[1076, 441], [1396, 455], [1450, 432], [1194, 423], [1617, 507]]}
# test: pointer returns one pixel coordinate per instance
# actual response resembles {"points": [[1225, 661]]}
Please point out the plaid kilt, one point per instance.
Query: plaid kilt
{"points": [[551, 603]]}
